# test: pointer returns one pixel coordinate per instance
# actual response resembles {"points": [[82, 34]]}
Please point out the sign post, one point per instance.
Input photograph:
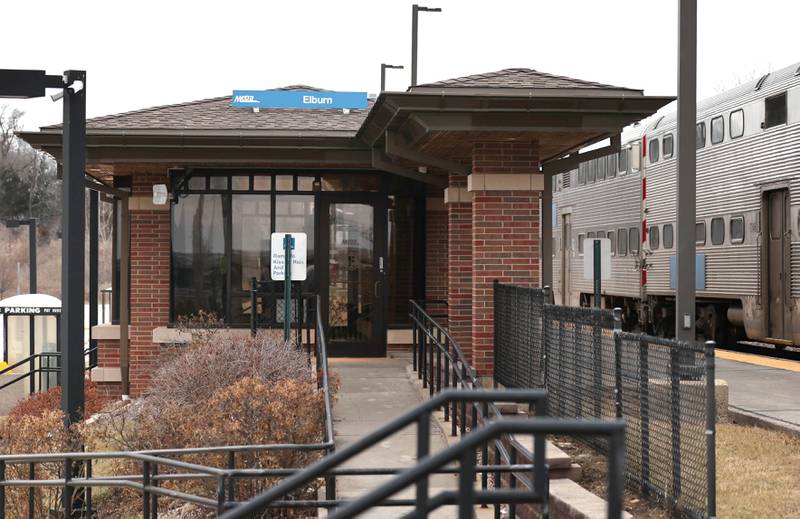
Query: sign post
{"points": [[597, 263], [288, 263]]}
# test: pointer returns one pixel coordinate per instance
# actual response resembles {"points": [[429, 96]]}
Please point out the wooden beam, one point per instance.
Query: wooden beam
{"points": [[397, 147], [382, 162]]}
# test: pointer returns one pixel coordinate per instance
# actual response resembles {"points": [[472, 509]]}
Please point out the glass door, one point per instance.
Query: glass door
{"points": [[353, 243]]}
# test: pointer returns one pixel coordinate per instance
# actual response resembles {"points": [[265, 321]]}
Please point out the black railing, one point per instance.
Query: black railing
{"points": [[43, 370], [264, 313], [662, 388], [76, 490]]}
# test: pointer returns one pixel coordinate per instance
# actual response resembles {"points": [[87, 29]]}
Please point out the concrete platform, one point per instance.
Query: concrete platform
{"points": [[762, 390]]}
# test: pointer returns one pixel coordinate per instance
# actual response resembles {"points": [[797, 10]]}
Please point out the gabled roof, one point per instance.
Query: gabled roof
{"points": [[524, 78], [217, 114]]}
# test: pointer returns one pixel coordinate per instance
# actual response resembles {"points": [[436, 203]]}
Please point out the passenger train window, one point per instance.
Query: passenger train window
{"points": [[717, 130], [653, 150], [612, 237], [622, 162], [633, 239], [669, 236], [653, 232], [669, 146], [717, 231], [581, 174], [601, 168], [775, 110], [737, 229], [737, 123], [622, 242], [700, 233], [700, 136], [611, 170], [580, 243], [601, 234], [590, 235], [591, 169]]}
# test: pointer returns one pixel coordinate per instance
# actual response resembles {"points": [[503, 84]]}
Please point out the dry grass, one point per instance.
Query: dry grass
{"points": [[758, 472]]}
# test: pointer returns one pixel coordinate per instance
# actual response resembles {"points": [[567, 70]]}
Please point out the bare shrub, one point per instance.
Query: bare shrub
{"points": [[38, 404]]}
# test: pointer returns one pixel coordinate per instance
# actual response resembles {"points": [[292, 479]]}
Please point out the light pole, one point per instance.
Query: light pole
{"points": [[384, 66], [415, 9], [31, 223]]}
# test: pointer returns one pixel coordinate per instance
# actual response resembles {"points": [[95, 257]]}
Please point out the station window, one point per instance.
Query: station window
{"points": [[669, 236], [580, 243], [668, 144], [654, 237], [717, 130], [633, 239], [612, 237], [775, 110], [622, 161], [700, 233], [737, 123], [622, 242], [653, 150], [737, 229], [717, 231], [700, 136]]}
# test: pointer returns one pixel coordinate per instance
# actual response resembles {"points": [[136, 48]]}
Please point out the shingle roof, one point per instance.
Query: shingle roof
{"points": [[218, 114], [517, 78]]}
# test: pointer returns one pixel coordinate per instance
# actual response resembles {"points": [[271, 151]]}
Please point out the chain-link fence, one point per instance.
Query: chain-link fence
{"points": [[663, 388]]}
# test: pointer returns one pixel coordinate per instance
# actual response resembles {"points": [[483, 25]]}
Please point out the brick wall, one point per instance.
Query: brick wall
{"points": [[436, 251], [150, 280], [459, 268], [505, 238]]}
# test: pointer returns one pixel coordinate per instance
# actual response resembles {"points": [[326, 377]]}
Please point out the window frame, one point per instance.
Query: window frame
{"points": [[654, 231], [638, 241], [622, 231], [736, 241], [671, 228], [718, 220], [581, 237], [612, 236], [702, 127], [785, 120], [622, 163], [730, 123], [700, 223], [721, 120], [653, 145], [668, 137]]}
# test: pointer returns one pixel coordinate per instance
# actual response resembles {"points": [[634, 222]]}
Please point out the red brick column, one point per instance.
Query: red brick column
{"points": [[505, 185], [436, 249], [150, 278], [459, 263]]}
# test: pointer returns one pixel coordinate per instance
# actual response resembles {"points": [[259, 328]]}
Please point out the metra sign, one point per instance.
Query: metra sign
{"points": [[298, 99]]}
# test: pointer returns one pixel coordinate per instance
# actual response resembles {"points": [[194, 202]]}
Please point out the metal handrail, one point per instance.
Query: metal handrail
{"points": [[466, 377], [31, 360], [421, 415]]}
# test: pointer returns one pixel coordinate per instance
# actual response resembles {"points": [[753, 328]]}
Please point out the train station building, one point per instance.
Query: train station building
{"points": [[429, 194]]}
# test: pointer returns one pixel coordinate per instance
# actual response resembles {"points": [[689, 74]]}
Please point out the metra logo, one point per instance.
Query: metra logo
{"points": [[244, 99]]}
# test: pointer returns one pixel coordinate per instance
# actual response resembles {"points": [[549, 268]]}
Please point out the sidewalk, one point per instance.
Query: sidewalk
{"points": [[762, 390], [374, 391]]}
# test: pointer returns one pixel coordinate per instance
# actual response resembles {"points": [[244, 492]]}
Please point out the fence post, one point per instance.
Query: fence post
{"points": [[675, 416], [466, 490], [231, 484], [253, 305], [414, 336], [544, 343], [644, 412], [447, 374], [66, 497], [423, 450], [617, 362], [153, 496], [711, 429], [2, 489], [597, 361]]}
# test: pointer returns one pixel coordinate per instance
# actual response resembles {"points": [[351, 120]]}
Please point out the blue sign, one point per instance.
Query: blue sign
{"points": [[298, 99]]}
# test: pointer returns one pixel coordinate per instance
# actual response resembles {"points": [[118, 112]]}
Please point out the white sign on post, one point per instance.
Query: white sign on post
{"points": [[605, 258], [278, 256]]}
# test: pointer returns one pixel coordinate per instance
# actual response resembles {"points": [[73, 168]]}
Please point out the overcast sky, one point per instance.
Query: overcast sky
{"points": [[145, 53]]}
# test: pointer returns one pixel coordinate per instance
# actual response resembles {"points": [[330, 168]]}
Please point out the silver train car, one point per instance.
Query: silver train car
{"points": [[748, 218]]}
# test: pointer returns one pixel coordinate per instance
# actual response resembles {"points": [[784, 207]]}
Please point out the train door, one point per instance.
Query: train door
{"points": [[566, 254], [776, 263]]}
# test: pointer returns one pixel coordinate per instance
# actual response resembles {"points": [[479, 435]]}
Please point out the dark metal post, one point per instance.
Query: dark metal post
{"points": [[94, 252], [711, 430], [145, 489], [66, 495], [687, 154], [287, 286], [2, 490], [32, 253], [618, 362], [253, 303], [384, 66], [547, 231], [466, 490], [72, 250], [423, 450], [596, 273], [415, 9], [675, 417]]}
